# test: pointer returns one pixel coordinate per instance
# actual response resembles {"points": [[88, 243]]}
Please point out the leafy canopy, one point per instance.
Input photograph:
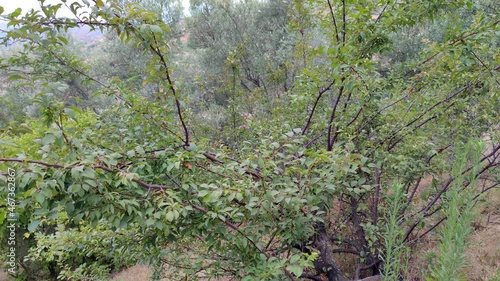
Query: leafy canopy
{"points": [[260, 156]]}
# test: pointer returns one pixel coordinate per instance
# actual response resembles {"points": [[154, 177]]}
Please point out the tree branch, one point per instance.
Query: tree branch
{"points": [[344, 21], [158, 52], [332, 117], [318, 97], [95, 166], [334, 21]]}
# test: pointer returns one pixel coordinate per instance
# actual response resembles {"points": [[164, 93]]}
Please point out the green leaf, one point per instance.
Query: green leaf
{"points": [[88, 173], [70, 207], [48, 139], [156, 29], [40, 197], [78, 218], [170, 216], [170, 167], [294, 258], [150, 222], [239, 197], [15, 77], [3, 213], [76, 172], [99, 3], [33, 225], [75, 188], [47, 192], [16, 12], [41, 212], [71, 113], [91, 183], [215, 195], [131, 153], [63, 39], [139, 149], [4, 142], [295, 269]]}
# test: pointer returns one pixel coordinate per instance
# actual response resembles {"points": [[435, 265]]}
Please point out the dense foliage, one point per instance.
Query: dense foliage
{"points": [[260, 140]]}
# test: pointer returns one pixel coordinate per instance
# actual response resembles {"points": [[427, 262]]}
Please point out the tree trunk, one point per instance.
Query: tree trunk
{"points": [[325, 262]]}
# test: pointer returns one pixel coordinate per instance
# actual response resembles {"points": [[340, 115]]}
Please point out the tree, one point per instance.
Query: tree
{"points": [[307, 181]]}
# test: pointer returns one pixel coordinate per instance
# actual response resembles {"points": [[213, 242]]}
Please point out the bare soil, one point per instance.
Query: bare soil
{"points": [[4, 276]]}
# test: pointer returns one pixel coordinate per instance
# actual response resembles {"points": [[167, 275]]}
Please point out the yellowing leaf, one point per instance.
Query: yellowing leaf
{"points": [[15, 77]]}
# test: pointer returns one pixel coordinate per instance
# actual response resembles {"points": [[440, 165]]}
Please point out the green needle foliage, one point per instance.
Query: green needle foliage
{"points": [[396, 252], [459, 212]]}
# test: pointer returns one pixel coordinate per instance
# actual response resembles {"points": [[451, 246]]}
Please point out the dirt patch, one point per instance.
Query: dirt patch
{"points": [[143, 273], [135, 273], [483, 253], [4, 276]]}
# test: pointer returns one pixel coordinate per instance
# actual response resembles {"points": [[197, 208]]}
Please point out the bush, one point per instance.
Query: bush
{"points": [[85, 252]]}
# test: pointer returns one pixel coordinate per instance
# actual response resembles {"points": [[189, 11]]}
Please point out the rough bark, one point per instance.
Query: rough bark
{"points": [[325, 262]]}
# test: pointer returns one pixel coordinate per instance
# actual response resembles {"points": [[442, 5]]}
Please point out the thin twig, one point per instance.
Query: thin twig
{"points": [[318, 97], [334, 21]]}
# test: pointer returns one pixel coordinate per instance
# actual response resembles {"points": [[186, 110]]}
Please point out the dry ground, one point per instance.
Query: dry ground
{"points": [[3, 276], [136, 273]]}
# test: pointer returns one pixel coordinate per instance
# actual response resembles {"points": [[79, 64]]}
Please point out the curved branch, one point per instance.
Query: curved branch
{"points": [[332, 117], [334, 21], [320, 94], [157, 51]]}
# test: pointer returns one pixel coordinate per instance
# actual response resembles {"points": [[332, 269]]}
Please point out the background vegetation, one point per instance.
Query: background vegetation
{"points": [[249, 140]]}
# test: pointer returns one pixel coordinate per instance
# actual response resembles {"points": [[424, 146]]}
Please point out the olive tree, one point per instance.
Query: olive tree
{"points": [[305, 184]]}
